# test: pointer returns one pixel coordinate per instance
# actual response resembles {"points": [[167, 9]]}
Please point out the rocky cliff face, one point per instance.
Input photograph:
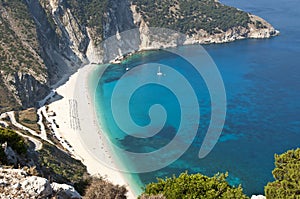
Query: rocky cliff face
{"points": [[118, 18], [17, 183], [59, 36], [59, 49], [264, 31], [63, 41]]}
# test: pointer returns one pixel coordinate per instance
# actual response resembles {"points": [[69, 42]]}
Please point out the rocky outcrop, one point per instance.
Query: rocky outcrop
{"points": [[16, 183], [260, 28], [27, 88], [65, 191], [34, 186], [254, 31]]}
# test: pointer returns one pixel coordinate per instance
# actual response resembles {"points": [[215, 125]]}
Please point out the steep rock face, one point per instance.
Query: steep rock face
{"points": [[63, 41], [148, 35], [23, 90], [40, 45], [117, 18], [263, 31], [27, 88]]}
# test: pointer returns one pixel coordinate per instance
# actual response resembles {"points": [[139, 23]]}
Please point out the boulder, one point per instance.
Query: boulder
{"points": [[64, 191], [37, 186]]}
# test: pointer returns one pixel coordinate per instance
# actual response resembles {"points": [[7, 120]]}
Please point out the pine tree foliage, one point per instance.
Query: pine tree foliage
{"points": [[287, 176]]}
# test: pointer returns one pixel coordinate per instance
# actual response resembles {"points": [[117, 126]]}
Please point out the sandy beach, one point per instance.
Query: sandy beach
{"points": [[77, 124]]}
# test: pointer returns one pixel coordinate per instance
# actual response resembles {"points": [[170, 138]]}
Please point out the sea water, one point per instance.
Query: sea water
{"points": [[261, 78]]}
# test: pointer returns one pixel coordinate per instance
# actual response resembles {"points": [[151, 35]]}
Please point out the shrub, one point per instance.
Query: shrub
{"points": [[287, 176], [60, 166], [15, 141], [102, 189], [195, 186]]}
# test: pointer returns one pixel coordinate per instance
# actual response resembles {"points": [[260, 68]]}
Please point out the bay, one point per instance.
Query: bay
{"points": [[261, 79]]}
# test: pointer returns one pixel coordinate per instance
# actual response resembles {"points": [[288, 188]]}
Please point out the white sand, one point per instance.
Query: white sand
{"points": [[80, 128]]}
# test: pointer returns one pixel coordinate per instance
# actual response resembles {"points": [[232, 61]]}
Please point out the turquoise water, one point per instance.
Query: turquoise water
{"points": [[262, 81]]}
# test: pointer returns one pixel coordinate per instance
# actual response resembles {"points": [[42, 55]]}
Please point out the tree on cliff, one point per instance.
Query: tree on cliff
{"points": [[287, 176], [195, 186]]}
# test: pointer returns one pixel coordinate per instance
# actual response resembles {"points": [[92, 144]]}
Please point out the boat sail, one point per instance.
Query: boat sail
{"points": [[159, 73]]}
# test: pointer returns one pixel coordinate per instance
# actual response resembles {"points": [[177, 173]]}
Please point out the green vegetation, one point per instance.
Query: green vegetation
{"points": [[7, 100], [18, 38], [191, 16], [50, 162], [195, 186], [287, 176], [19, 49], [258, 24], [61, 167], [15, 141]]}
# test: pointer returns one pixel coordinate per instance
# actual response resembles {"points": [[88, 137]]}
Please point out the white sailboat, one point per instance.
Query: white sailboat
{"points": [[159, 73]]}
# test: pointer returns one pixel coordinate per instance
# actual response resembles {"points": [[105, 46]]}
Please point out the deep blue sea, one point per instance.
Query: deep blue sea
{"points": [[262, 82]]}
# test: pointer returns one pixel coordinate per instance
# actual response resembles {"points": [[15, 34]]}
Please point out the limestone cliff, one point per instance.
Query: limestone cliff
{"points": [[44, 41]]}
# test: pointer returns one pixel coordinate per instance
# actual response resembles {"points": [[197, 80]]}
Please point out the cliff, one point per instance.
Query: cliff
{"points": [[202, 23], [44, 41], [37, 50]]}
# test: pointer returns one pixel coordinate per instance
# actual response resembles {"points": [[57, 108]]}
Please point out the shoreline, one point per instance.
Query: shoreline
{"points": [[78, 125]]}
